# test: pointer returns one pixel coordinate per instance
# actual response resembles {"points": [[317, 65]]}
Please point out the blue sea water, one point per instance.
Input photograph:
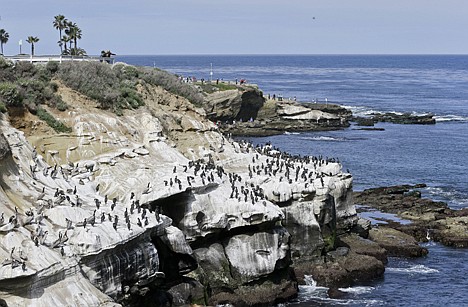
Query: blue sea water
{"points": [[401, 154]]}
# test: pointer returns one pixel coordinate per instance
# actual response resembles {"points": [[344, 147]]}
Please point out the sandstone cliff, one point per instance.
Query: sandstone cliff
{"points": [[157, 206], [245, 111]]}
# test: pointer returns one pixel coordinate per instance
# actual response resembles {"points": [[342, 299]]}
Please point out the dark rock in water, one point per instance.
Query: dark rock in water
{"points": [[345, 271], [431, 220], [370, 129], [335, 293], [364, 121], [362, 267], [363, 246], [329, 274], [405, 118], [278, 289], [397, 243], [3, 303], [413, 193], [391, 117]]}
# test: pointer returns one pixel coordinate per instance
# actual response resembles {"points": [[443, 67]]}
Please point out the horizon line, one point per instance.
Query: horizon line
{"points": [[297, 54]]}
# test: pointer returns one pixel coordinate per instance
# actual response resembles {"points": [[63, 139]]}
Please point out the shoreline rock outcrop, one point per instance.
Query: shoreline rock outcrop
{"points": [[430, 219], [395, 118], [244, 111], [158, 207]]}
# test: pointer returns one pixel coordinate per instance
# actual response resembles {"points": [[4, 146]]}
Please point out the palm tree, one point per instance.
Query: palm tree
{"points": [[65, 39], [60, 23], [74, 32], [32, 40], [4, 36]]}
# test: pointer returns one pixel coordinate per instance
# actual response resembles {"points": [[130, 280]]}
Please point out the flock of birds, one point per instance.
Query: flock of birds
{"points": [[267, 161]]}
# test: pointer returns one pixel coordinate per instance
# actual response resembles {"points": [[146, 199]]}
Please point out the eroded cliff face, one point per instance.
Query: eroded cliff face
{"points": [[238, 104], [157, 206], [4, 147]]}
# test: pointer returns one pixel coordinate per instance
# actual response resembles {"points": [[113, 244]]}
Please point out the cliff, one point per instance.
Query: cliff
{"points": [[245, 111], [158, 207]]}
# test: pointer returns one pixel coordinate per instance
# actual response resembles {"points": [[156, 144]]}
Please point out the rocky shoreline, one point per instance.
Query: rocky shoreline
{"points": [[244, 111], [395, 118], [159, 206], [429, 219]]}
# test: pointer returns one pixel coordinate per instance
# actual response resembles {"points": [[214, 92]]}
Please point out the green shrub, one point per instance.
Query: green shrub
{"points": [[10, 94], [114, 89], [52, 67], [131, 97], [7, 72], [126, 72], [25, 70], [60, 104], [3, 108], [57, 125], [172, 84], [54, 86]]}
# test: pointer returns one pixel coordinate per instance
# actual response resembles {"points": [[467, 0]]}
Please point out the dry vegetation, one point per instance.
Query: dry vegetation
{"points": [[113, 87]]}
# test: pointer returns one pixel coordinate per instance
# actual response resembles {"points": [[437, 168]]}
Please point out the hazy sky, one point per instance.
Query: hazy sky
{"points": [[244, 26]]}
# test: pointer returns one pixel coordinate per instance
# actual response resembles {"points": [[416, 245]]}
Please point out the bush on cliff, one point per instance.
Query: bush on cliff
{"points": [[172, 84], [10, 95], [29, 85], [57, 125], [111, 88]]}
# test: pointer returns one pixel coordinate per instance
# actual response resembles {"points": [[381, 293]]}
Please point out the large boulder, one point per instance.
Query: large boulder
{"points": [[396, 242], [239, 104]]}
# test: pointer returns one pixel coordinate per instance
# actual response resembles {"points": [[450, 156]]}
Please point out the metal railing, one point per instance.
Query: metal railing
{"points": [[56, 58]]}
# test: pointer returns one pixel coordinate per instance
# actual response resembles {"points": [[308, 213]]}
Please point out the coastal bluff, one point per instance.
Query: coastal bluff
{"points": [[156, 207], [245, 111]]}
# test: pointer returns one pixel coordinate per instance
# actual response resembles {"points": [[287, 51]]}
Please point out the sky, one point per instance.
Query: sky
{"points": [[243, 26]]}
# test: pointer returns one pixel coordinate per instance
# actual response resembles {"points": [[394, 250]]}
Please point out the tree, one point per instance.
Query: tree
{"points": [[4, 36], [32, 40], [60, 23], [65, 40], [74, 32]]}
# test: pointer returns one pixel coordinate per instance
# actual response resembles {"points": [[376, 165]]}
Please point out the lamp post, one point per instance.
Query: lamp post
{"points": [[20, 44]]}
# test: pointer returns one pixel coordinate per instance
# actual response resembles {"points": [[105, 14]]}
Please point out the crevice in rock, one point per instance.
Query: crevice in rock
{"points": [[173, 206], [173, 265]]}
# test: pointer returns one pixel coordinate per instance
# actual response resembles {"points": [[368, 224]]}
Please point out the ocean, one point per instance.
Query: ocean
{"points": [[401, 154]]}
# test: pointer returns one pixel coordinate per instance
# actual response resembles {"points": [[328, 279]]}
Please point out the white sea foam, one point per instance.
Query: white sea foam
{"points": [[294, 133], [450, 118], [311, 293], [453, 197], [357, 290], [420, 269], [324, 138], [360, 110]]}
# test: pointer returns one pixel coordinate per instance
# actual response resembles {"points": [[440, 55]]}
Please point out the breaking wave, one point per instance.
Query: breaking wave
{"points": [[450, 118], [420, 269], [311, 294], [357, 290], [324, 138], [453, 197], [293, 133]]}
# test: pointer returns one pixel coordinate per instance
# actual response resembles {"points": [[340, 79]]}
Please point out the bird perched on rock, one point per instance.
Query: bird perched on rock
{"points": [[147, 190]]}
